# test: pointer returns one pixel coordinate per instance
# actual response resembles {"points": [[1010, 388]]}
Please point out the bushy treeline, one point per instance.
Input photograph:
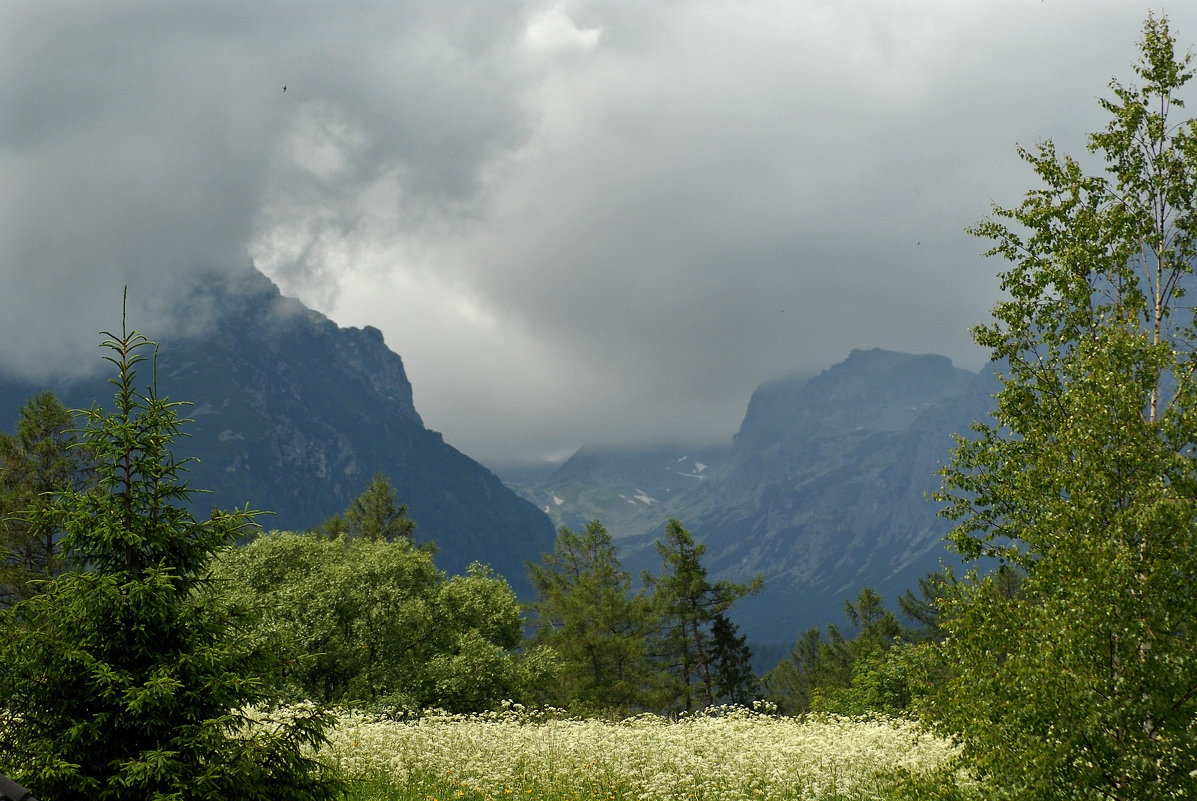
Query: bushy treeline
{"points": [[358, 613], [144, 653], [892, 664], [355, 620]]}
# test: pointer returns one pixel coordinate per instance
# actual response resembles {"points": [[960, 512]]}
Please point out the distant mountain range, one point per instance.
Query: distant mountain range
{"points": [[823, 490], [294, 414]]}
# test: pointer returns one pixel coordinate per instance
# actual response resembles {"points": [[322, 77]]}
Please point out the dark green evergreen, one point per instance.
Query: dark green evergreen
{"points": [[374, 515], [882, 669], [587, 613], [791, 683], [41, 457], [926, 607], [687, 604], [735, 682], [126, 679]]}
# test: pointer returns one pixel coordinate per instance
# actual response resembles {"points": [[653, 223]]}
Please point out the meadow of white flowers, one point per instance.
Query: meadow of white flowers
{"points": [[724, 753]]}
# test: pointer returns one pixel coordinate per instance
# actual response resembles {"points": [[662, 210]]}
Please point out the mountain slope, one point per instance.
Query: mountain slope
{"points": [[823, 490], [294, 414], [828, 491], [629, 489]]}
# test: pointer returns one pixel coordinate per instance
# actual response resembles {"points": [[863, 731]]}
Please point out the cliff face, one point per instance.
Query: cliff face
{"points": [[294, 414], [829, 486]]}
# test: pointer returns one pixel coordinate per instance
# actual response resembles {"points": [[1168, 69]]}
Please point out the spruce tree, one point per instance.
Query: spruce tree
{"points": [[687, 604], [735, 683], [41, 457], [125, 680]]}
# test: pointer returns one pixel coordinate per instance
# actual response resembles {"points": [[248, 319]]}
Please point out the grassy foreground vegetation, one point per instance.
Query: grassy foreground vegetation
{"points": [[724, 752]]}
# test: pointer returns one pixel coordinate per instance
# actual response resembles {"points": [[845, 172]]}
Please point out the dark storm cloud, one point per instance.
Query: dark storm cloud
{"points": [[575, 221], [141, 142], [749, 190], [127, 158]]}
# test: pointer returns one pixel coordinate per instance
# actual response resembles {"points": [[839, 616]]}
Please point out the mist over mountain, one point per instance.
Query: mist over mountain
{"points": [[293, 415], [823, 490]]}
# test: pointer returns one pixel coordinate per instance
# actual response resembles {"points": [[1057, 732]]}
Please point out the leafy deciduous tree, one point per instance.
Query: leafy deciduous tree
{"points": [[360, 619], [1083, 684]]}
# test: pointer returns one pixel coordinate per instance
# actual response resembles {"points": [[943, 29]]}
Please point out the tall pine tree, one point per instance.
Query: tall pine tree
{"points": [[688, 605]]}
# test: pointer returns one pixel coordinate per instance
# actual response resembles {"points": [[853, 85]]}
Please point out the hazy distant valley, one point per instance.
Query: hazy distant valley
{"points": [[823, 490]]}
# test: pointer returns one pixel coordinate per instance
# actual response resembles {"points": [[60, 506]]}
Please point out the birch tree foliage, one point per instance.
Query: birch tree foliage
{"points": [[1084, 683]]}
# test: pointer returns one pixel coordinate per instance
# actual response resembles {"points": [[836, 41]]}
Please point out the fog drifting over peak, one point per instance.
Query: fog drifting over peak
{"points": [[575, 221]]}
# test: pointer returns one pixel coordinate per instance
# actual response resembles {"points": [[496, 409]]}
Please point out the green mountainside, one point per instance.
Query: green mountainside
{"points": [[294, 414]]}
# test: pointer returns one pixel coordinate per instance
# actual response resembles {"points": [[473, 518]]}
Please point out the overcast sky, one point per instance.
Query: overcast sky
{"points": [[577, 222]]}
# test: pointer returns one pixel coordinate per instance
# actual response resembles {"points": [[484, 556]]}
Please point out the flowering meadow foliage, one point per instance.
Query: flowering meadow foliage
{"points": [[725, 753]]}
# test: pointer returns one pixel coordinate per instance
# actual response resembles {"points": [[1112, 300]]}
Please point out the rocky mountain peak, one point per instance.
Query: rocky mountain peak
{"points": [[871, 390], [294, 414]]}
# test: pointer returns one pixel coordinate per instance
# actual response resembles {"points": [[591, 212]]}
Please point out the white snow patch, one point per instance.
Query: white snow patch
{"points": [[684, 458], [558, 501], [643, 497], [699, 467]]}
